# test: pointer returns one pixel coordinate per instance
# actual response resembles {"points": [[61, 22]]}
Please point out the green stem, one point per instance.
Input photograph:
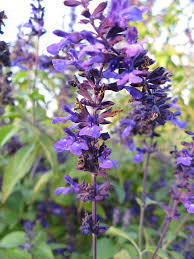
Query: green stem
{"points": [[94, 219], [143, 198]]}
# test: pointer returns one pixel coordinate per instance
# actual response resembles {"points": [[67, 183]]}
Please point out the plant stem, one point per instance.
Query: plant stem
{"points": [[94, 216], [165, 229], [142, 208], [177, 231]]}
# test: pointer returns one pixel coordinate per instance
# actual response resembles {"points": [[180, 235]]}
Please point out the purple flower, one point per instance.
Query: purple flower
{"points": [[56, 47], [120, 13], [65, 190], [135, 93], [91, 131], [131, 78], [184, 160], [72, 143], [189, 203], [106, 162], [133, 49], [138, 157], [73, 116], [181, 124], [127, 130], [59, 64]]}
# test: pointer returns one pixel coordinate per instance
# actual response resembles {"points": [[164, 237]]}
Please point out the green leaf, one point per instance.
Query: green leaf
{"points": [[48, 150], [149, 201], [120, 192], [13, 239], [41, 183], [18, 166], [117, 232], [37, 96], [139, 201], [42, 251], [14, 253], [106, 248], [176, 255], [8, 131], [123, 254]]}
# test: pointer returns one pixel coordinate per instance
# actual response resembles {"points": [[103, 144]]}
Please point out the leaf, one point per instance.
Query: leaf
{"points": [[71, 3], [149, 201], [48, 150], [42, 251], [139, 201], [41, 183], [8, 131], [120, 192], [106, 248], [13, 239], [15, 253], [99, 10], [18, 166], [123, 254], [176, 255], [118, 232]]}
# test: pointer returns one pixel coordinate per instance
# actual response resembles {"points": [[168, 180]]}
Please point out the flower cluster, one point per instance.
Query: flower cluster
{"points": [[6, 91], [88, 227], [23, 54], [36, 22], [44, 209], [185, 174], [85, 191], [29, 228]]}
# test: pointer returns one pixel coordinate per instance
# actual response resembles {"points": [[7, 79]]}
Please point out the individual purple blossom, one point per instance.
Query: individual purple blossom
{"points": [[189, 203], [121, 13], [184, 160], [65, 190], [92, 130], [138, 157], [106, 162], [72, 142]]}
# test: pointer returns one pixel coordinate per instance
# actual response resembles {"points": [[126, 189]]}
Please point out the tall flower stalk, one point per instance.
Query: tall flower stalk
{"points": [[98, 58], [109, 58]]}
